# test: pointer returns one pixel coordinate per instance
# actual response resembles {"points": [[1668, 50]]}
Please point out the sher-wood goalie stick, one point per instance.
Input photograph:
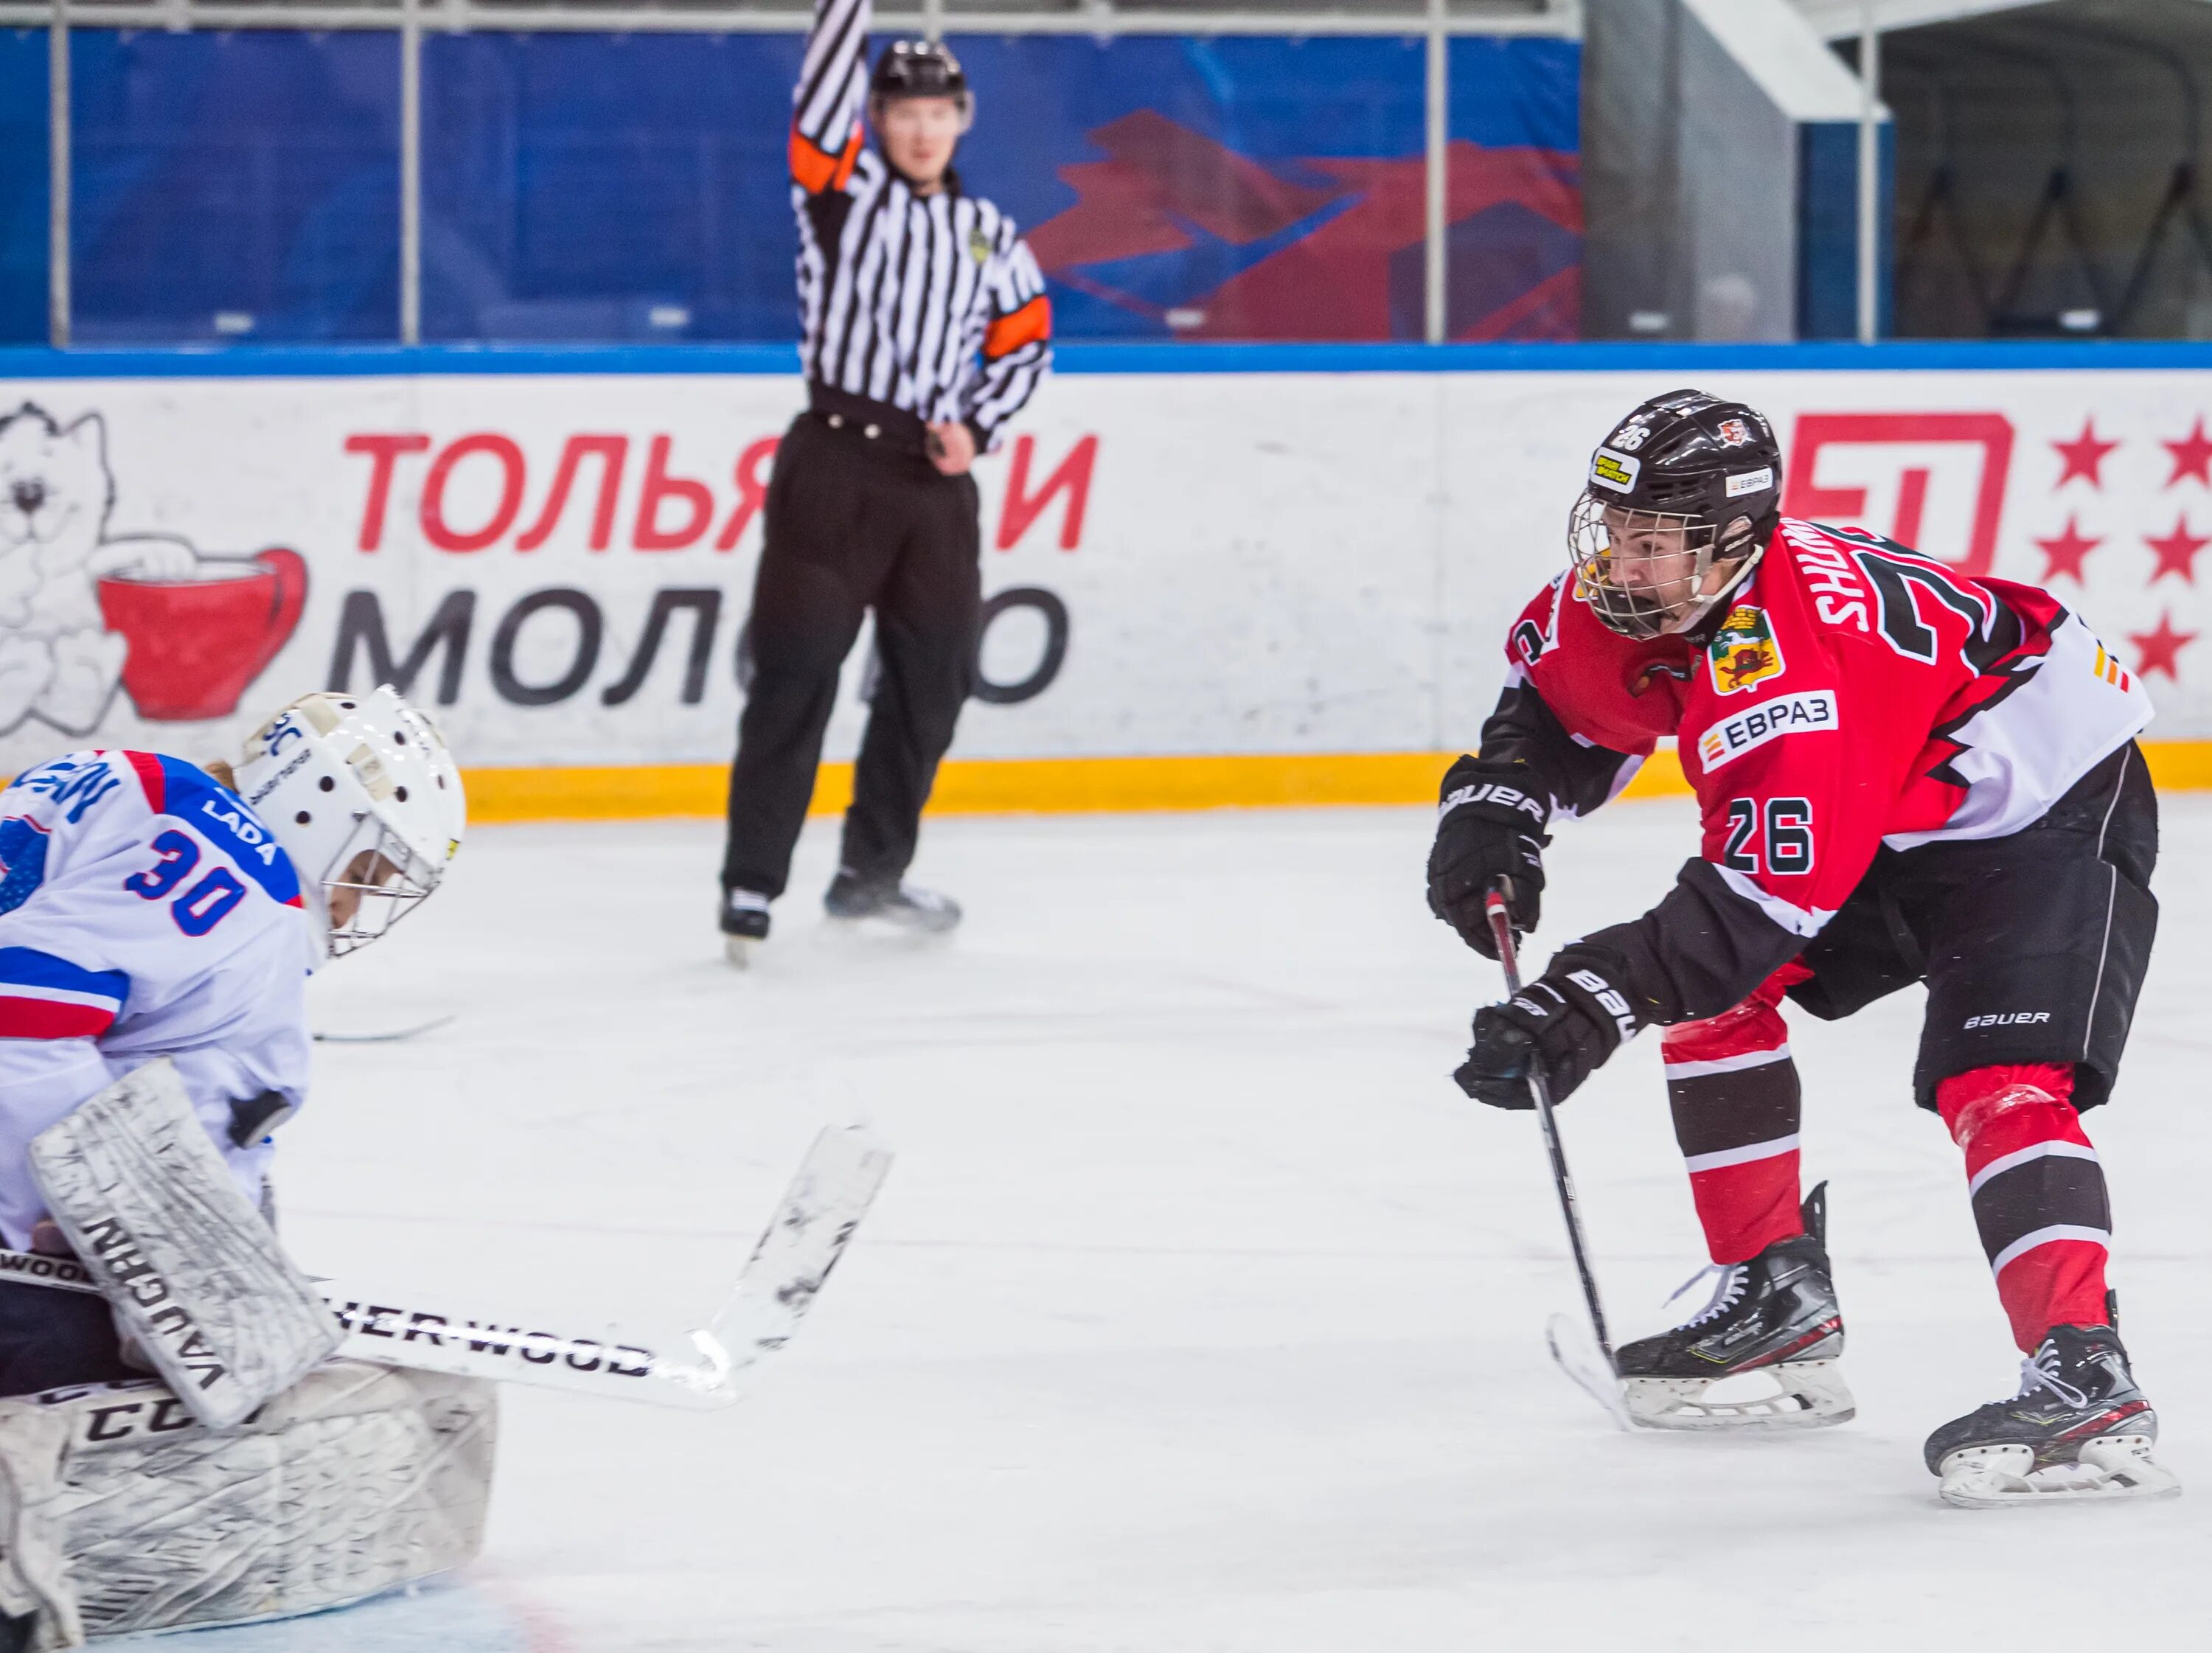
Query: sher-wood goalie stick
{"points": [[803, 1241], [1603, 1387]]}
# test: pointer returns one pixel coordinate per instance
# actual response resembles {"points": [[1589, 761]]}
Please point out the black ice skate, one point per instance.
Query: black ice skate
{"points": [[2078, 1428], [745, 924], [1772, 1321], [890, 903]]}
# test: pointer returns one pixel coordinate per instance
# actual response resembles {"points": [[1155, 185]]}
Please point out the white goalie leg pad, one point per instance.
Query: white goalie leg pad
{"points": [[119, 1513], [1796, 1395], [193, 1271]]}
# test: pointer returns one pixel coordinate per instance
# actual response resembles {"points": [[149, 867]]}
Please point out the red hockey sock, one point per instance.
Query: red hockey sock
{"points": [[1734, 1092], [2037, 1193]]}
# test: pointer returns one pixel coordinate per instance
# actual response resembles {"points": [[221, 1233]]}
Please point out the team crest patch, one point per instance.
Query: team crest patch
{"points": [[1744, 653], [979, 246]]}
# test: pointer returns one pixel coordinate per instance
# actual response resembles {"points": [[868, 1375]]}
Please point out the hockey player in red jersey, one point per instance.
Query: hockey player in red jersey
{"points": [[1904, 775]]}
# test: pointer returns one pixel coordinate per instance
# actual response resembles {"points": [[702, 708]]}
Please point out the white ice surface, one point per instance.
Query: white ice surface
{"points": [[1200, 1313]]}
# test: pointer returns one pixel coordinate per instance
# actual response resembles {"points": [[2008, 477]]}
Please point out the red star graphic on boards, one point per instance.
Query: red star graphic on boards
{"points": [[2159, 648], [2083, 455], [2192, 455], [2066, 550], [2177, 552]]}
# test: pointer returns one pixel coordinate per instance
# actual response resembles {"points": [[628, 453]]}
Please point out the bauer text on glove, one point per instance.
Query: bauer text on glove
{"points": [[1559, 1028], [1490, 826]]}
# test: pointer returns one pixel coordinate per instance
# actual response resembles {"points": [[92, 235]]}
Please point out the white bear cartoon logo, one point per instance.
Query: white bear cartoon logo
{"points": [[83, 611]]}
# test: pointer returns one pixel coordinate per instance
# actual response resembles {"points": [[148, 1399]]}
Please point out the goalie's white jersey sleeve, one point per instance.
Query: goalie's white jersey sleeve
{"points": [[145, 912]]}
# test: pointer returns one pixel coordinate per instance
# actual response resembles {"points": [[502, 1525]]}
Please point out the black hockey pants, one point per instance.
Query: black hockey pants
{"points": [[2033, 945], [853, 522], [50, 1338]]}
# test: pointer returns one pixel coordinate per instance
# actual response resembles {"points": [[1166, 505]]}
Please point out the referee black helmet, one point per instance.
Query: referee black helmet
{"points": [[921, 69]]}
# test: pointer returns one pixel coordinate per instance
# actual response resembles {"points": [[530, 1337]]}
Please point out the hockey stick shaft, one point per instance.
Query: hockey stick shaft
{"points": [[804, 1239], [394, 1333], [1501, 930]]}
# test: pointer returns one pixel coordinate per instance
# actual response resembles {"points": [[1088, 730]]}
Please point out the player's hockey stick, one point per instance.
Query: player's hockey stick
{"points": [[1602, 1385], [804, 1239], [393, 1036]]}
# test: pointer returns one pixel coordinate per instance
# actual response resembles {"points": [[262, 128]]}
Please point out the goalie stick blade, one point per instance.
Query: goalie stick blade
{"points": [[812, 1225], [835, 1184], [1576, 1355]]}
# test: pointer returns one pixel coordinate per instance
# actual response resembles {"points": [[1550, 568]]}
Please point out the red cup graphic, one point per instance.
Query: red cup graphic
{"points": [[195, 644]]}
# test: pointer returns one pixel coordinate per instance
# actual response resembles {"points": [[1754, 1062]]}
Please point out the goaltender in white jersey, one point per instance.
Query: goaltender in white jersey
{"points": [[148, 910], [145, 911], [158, 923]]}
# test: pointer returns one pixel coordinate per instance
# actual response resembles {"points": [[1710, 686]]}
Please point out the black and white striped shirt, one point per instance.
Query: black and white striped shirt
{"points": [[930, 303]]}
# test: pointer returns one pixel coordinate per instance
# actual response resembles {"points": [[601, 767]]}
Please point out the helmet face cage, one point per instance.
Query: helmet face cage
{"points": [[1681, 500], [362, 794], [1668, 592], [375, 873]]}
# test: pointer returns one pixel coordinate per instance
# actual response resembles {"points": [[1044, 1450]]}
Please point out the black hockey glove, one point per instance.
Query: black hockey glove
{"points": [[1490, 826], [1561, 1026]]}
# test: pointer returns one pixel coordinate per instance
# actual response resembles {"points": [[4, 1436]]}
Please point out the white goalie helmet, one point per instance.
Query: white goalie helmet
{"points": [[363, 797]]}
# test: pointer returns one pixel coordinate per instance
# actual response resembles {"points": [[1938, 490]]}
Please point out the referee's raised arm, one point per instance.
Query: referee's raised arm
{"points": [[925, 328], [826, 133]]}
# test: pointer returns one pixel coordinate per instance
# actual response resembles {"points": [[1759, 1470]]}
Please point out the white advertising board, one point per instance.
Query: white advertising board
{"points": [[560, 566]]}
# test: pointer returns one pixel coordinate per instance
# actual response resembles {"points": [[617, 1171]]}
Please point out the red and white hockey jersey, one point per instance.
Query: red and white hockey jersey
{"points": [[1850, 694]]}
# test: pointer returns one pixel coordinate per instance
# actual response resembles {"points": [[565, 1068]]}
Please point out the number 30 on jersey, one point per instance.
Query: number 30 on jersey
{"points": [[203, 906]]}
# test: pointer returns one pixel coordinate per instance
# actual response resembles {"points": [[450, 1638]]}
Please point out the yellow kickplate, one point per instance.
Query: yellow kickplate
{"points": [[1054, 786]]}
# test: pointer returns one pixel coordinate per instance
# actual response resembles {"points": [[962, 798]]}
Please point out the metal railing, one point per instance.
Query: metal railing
{"points": [[1438, 21]]}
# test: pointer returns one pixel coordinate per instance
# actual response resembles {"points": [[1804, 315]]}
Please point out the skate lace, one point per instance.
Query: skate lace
{"points": [[2040, 1371], [1728, 1291]]}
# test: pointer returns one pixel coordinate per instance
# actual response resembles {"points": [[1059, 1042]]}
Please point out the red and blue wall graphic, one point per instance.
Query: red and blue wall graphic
{"points": [[1275, 188]]}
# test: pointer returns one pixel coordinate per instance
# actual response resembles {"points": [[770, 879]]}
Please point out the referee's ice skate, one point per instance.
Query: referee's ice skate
{"points": [[890, 904], [2079, 1428], [1772, 1322], [745, 924]]}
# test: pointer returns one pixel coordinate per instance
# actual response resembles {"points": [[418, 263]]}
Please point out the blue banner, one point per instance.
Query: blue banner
{"points": [[234, 186], [23, 117], [596, 187], [602, 188]]}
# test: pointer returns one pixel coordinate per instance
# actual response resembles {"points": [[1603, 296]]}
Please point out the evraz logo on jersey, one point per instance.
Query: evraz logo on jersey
{"points": [[1808, 712], [1743, 654]]}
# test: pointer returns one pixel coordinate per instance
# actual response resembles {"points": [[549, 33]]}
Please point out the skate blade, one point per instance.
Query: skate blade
{"points": [[737, 951], [876, 930], [2004, 1477], [1575, 1353], [1807, 1394]]}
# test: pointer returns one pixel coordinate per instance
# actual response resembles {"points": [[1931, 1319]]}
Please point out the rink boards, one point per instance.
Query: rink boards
{"points": [[1214, 575]]}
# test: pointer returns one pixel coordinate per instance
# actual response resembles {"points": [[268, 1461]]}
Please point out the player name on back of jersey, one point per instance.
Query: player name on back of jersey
{"points": [[1808, 711]]}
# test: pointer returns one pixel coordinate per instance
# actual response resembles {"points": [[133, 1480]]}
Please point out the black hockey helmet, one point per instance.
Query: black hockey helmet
{"points": [[921, 69], [1685, 485]]}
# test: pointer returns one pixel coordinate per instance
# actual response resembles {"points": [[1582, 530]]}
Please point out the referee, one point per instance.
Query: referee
{"points": [[926, 329]]}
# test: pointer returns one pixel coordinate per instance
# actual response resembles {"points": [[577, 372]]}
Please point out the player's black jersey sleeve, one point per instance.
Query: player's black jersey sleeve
{"points": [[1525, 732], [1700, 952]]}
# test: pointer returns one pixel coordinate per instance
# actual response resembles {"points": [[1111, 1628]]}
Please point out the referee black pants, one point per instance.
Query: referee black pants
{"points": [[853, 524]]}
